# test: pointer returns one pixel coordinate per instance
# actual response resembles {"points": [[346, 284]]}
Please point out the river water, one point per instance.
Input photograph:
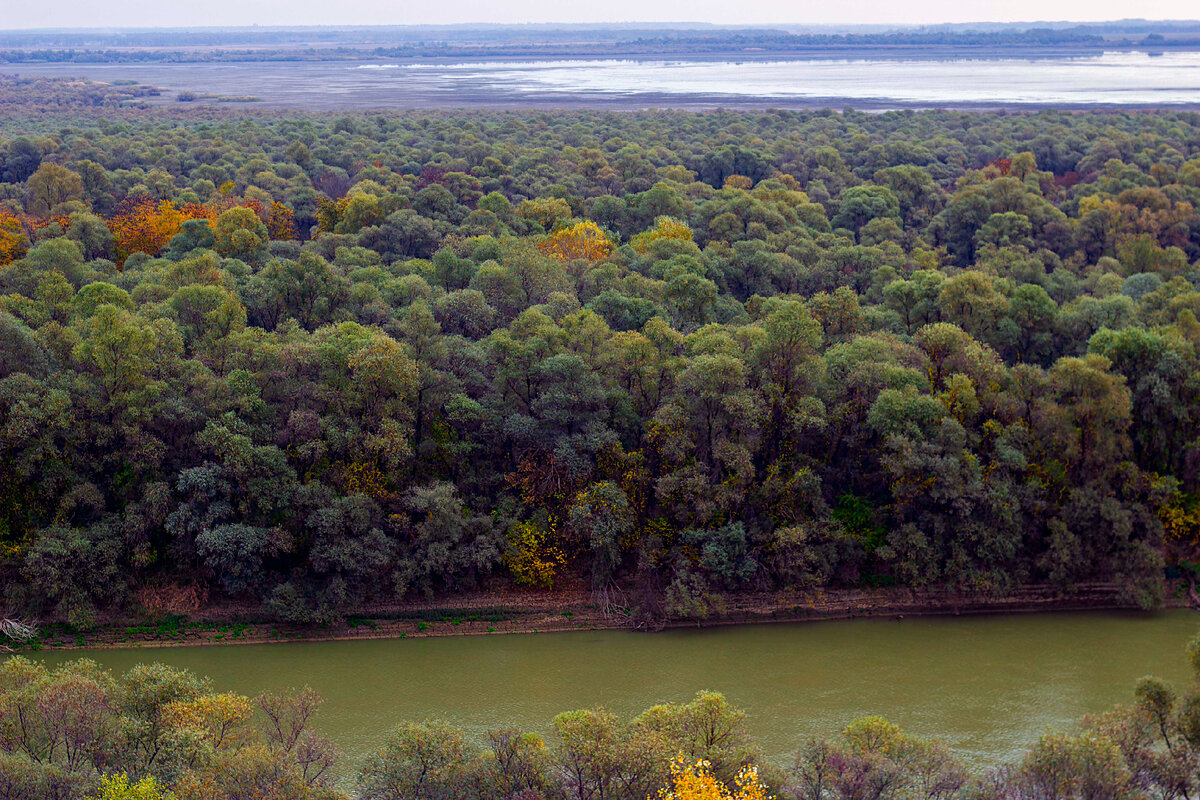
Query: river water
{"points": [[952, 78], [988, 686]]}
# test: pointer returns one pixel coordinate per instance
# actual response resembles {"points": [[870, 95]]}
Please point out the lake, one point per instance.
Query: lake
{"points": [[984, 79], [988, 686]]}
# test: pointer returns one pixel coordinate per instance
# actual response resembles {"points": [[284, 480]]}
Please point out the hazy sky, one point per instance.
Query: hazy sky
{"points": [[153, 13]]}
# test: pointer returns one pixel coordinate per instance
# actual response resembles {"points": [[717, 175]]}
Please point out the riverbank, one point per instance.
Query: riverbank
{"points": [[517, 612]]}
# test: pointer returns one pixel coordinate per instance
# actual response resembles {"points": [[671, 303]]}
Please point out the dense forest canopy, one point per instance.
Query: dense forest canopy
{"points": [[321, 362]]}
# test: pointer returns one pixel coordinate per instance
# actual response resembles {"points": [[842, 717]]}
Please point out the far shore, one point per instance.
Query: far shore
{"points": [[515, 612]]}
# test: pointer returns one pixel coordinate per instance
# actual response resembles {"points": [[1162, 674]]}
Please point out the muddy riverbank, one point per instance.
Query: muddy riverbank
{"points": [[512, 612]]}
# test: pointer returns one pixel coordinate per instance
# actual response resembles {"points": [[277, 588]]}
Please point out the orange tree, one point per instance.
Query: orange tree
{"points": [[13, 240], [146, 225]]}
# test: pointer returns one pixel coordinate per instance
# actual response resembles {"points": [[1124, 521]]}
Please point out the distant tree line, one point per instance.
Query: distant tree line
{"points": [[267, 46]]}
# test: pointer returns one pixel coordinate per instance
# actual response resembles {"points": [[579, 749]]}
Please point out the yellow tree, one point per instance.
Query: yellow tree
{"points": [[583, 241], [13, 241], [664, 228], [696, 782]]}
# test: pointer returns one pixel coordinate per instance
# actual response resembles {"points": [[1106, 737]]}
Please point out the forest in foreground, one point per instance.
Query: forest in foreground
{"points": [[308, 362], [78, 732]]}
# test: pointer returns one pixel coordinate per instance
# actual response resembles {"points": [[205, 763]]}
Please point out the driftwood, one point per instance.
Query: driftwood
{"points": [[1193, 597], [15, 630], [611, 601]]}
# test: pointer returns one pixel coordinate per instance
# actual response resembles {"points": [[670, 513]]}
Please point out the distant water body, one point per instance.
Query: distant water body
{"points": [[989, 80]]}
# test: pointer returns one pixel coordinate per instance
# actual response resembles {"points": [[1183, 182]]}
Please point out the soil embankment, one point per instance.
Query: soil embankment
{"points": [[509, 612]]}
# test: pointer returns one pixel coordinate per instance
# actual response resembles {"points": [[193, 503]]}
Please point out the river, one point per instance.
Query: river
{"points": [[988, 685], [968, 78]]}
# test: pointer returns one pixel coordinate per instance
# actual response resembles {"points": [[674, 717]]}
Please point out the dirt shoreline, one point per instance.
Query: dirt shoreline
{"points": [[499, 613]]}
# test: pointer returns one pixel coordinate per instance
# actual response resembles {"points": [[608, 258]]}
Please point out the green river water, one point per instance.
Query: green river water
{"points": [[988, 686]]}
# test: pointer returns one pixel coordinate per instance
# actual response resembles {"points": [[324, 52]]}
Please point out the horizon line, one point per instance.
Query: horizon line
{"points": [[544, 24]]}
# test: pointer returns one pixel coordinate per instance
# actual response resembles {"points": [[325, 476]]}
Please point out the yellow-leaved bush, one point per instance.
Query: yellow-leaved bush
{"points": [[119, 787], [696, 782], [533, 559]]}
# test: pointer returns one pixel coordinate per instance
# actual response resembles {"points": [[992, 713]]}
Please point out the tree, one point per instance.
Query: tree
{"points": [[583, 241], [1163, 391], [601, 517], [421, 761], [119, 787], [861, 204], [1091, 415], [145, 225], [92, 235], [13, 240], [874, 758], [1008, 229], [517, 764], [545, 211], [239, 233], [1072, 767], [51, 186], [22, 158], [971, 301], [665, 228], [705, 730], [599, 758], [450, 547], [193, 233], [694, 782], [402, 234]]}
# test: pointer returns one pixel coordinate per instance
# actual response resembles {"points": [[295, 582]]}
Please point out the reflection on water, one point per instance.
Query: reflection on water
{"points": [[1107, 78], [1122, 78], [987, 685]]}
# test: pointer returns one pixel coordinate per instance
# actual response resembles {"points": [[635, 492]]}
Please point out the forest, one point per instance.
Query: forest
{"points": [[309, 363], [157, 733]]}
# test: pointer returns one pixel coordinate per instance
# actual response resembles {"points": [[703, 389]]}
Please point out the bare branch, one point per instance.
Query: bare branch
{"points": [[16, 630]]}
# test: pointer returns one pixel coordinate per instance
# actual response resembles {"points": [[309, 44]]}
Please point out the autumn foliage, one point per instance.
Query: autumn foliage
{"points": [[281, 221], [584, 241], [18, 230], [664, 228], [696, 782], [145, 225], [12, 237]]}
